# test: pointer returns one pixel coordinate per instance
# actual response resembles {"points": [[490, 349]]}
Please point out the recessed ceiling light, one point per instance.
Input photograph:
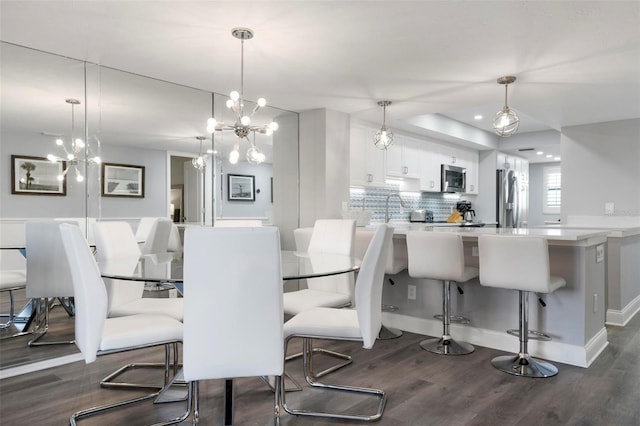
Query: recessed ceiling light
{"points": [[539, 153], [548, 155], [557, 158], [477, 117]]}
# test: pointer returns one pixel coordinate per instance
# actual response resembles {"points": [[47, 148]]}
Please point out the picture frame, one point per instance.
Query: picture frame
{"points": [[122, 180], [37, 176], [241, 187]]}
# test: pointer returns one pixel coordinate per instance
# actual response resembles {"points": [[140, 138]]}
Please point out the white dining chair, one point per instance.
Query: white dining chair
{"points": [[328, 236], [360, 324], [48, 276], [157, 239], [143, 229], [233, 307], [115, 241], [98, 335]]}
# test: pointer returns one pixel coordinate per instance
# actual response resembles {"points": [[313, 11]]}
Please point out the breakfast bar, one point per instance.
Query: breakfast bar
{"points": [[574, 315]]}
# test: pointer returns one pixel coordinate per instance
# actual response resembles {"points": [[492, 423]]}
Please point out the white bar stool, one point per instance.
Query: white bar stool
{"points": [[440, 256], [519, 263]]}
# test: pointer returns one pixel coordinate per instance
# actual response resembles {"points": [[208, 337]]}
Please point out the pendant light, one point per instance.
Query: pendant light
{"points": [[383, 138], [506, 121], [242, 125], [199, 162], [74, 152]]}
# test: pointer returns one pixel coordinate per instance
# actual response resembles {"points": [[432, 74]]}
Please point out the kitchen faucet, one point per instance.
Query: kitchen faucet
{"points": [[386, 209]]}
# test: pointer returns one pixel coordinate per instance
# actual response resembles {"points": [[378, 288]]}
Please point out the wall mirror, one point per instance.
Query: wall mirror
{"points": [[140, 121]]}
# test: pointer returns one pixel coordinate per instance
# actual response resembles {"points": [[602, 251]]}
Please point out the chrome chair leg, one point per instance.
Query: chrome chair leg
{"points": [[346, 360], [445, 345], [523, 364], [307, 361], [42, 309], [109, 381]]}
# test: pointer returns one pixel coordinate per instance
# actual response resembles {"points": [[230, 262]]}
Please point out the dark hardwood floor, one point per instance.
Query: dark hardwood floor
{"points": [[422, 388]]}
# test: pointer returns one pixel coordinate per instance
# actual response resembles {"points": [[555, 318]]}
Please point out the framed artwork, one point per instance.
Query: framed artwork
{"points": [[241, 188], [37, 176], [122, 180]]}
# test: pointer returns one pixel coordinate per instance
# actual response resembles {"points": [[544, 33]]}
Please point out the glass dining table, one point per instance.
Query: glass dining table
{"points": [[168, 268]]}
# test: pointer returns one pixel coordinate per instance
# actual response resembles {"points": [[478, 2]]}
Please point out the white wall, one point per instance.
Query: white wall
{"points": [[536, 191], [600, 164]]}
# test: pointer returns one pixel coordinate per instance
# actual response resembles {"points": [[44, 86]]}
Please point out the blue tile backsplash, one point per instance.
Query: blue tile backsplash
{"points": [[374, 199]]}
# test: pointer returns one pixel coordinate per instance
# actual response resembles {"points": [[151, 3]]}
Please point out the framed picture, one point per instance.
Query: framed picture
{"points": [[37, 176], [241, 188], [122, 180]]}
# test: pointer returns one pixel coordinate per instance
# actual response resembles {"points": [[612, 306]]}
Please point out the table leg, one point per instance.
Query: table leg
{"points": [[228, 402]]}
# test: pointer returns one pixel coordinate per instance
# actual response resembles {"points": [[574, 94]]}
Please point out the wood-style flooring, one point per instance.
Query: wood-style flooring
{"points": [[422, 388]]}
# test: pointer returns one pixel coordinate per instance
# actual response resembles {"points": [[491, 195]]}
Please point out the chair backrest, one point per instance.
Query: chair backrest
{"points": [[302, 238], [115, 240], [435, 255], [369, 285], [233, 281], [89, 292], [144, 227], [333, 236], [158, 238], [175, 242], [514, 262], [48, 274]]}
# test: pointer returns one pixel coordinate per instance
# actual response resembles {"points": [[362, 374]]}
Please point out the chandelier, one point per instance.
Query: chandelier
{"points": [[199, 162], [242, 125], [506, 121], [383, 138], [73, 151]]}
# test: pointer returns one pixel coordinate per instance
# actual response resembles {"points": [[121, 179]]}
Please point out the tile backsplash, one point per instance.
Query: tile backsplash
{"points": [[374, 200]]}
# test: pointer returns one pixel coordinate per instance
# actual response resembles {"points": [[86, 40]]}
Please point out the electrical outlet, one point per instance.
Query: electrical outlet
{"points": [[411, 292], [599, 253], [474, 251], [595, 303]]}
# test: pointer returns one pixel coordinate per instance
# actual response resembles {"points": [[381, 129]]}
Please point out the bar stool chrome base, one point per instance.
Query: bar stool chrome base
{"points": [[524, 365], [388, 333], [446, 346]]}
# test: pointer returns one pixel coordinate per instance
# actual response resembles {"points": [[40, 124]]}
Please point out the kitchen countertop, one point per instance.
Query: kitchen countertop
{"points": [[551, 234], [619, 232]]}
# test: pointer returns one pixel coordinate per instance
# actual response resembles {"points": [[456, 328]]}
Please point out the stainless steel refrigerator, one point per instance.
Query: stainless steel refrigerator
{"points": [[512, 199]]}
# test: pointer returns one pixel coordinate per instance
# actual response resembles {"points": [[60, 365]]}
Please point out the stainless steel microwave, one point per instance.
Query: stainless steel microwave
{"points": [[454, 179]]}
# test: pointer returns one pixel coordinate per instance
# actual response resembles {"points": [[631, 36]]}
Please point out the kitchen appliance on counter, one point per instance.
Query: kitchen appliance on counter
{"points": [[511, 199], [421, 216], [454, 179]]}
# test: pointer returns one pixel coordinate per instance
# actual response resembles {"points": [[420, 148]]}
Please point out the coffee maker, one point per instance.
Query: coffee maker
{"points": [[464, 207]]}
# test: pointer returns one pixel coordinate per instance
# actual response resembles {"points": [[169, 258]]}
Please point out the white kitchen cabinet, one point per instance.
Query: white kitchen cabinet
{"points": [[469, 160], [431, 158], [401, 158], [366, 161]]}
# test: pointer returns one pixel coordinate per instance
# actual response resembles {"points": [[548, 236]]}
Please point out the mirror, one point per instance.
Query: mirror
{"points": [[129, 119]]}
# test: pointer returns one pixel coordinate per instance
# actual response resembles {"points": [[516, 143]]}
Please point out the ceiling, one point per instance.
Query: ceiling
{"points": [[575, 62]]}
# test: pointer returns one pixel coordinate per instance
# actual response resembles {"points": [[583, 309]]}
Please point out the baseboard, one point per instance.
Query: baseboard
{"points": [[5, 373], [580, 356], [621, 318]]}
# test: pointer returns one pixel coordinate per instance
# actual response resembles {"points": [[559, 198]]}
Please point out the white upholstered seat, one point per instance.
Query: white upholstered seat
{"points": [[440, 256], [233, 305], [360, 324], [10, 281], [519, 263], [95, 333]]}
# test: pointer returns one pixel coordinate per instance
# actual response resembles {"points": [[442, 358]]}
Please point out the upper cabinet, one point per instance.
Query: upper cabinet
{"points": [[403, 158], [408, 158], [366, 161]]}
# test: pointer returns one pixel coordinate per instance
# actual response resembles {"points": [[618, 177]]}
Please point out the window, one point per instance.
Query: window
{"points": [[552, 193]]}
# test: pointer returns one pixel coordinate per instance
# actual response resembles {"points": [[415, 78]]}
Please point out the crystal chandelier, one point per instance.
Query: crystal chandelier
{"points": [[199, 162], [506, 121], [383, 138], [73, 151], [242, 125]]}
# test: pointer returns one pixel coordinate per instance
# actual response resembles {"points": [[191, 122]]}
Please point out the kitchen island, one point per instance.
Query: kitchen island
{"points": [[574, 315]]}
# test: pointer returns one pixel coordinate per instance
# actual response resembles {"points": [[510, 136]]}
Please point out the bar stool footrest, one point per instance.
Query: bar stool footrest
{"points": [[533, 335], [456, 319]]}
